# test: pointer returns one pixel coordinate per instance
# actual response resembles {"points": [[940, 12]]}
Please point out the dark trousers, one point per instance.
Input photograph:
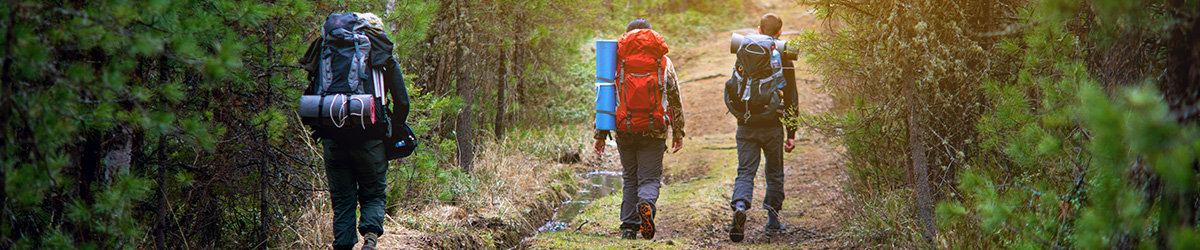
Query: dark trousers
{"points": [[642, 159], [357, 175], [753, 142]]}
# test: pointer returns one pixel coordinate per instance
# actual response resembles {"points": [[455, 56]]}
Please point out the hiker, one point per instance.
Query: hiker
{"points": [[647, 103], [758, 98], [359, 143]]}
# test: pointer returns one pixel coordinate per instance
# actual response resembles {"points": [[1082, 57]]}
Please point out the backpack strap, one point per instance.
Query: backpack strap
{"points": [[663, 89], [358, 64], [620, 90], [654, 98], [325, 72]]}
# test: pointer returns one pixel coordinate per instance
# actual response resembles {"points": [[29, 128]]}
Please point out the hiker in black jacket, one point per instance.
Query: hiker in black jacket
{"points": [[765, 137], [356, 161]]}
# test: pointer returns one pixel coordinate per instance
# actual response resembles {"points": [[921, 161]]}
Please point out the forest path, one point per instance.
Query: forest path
{"points": [[693, 207]]}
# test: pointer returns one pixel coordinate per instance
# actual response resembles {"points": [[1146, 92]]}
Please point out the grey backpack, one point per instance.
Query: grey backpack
{"points": [[755, 92], [347, 92]]}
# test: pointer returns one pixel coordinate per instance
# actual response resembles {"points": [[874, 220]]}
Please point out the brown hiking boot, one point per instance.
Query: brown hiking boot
{"points": [[369, 241], [646, 211], [737, 233]]}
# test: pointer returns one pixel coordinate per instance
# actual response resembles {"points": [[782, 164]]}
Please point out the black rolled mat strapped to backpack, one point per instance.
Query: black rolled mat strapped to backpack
{"points": [[349, 68], [339, 110]]}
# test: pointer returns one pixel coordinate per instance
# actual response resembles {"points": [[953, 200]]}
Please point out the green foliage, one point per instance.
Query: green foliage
{"points": [[521, 57], [420, 175], [1052, 160], [1132, 129], [675, 19], [107, 103], [891, 61], [1078, 160], [1030, 159]]}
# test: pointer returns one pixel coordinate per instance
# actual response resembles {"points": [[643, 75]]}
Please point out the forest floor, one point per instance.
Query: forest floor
{"points": [[693, 208]]}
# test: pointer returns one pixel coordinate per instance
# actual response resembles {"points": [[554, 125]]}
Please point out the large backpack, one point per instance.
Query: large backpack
{"points": [[641, 55], [347, 70], [755, 92]]}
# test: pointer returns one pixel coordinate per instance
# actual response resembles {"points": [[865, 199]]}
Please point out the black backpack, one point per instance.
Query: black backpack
{"points": [[755, 92], [347, 68]]}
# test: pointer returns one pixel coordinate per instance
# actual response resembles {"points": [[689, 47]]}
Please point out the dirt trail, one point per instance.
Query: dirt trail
{"points": [[693, 210]]}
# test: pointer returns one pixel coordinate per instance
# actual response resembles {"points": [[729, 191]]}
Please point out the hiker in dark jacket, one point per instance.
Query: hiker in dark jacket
{"points": [[759, 138], [356, 162], [642, 156]]}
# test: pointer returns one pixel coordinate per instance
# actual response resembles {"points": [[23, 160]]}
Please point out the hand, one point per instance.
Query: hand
{"points": [[599, 146], [676, 144], [789, 145]]}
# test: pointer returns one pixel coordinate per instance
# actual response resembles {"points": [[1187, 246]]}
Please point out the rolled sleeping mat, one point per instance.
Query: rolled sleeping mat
{"points": [[606, 95], [606, 61], [735, 42], [606, 106], [338, 109]]}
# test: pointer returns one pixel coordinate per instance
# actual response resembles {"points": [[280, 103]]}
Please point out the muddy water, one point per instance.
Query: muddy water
{"points": [[600, 184]]}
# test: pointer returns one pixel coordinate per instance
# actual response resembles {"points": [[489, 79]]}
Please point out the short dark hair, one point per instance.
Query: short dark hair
{"points": [[770, 24], [639, 23]]}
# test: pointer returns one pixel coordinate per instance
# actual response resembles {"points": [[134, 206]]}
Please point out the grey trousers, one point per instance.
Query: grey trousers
{"points": [[753, 142], [357, 175], [642, 159]]}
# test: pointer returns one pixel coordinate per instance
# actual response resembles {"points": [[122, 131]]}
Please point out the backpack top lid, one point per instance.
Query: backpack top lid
{"points": [[755, 55], [758, 43], [339, 27], [640, 48]]}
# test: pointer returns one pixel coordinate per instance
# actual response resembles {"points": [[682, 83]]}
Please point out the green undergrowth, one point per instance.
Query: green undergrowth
{"points": [[515, 187], [566, 240], [1040, 147], [692, 204]]}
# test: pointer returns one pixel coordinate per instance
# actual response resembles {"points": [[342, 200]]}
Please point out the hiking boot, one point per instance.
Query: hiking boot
{"points": [[737, 233], [777, 229], [773, 221], [628, 234], [369, 241], [646, 210]]}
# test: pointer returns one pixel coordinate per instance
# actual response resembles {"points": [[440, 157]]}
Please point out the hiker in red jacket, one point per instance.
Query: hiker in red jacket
{"points": [[647, 104]]}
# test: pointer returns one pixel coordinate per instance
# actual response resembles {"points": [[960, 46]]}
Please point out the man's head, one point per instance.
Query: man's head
{"points": [[770, 25], [638, 24]]}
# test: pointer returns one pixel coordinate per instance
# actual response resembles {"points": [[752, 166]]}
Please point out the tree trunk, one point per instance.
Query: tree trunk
{"points": [[264, 215], [916, 145], [519, 69], [6, 99], [161, 234], [522, 99], [498, 124], [161, 221], [1180, 89], [464, 130]]}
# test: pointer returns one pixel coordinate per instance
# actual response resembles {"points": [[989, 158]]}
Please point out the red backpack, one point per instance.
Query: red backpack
{"points": [[641, 55]]}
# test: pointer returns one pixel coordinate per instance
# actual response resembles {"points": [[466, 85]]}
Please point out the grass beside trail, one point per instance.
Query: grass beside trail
{"points": [[568, 240], [692, 205]]}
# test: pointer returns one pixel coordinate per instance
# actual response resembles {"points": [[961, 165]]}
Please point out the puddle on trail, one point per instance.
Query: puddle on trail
{"points": [[600, 184]]}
